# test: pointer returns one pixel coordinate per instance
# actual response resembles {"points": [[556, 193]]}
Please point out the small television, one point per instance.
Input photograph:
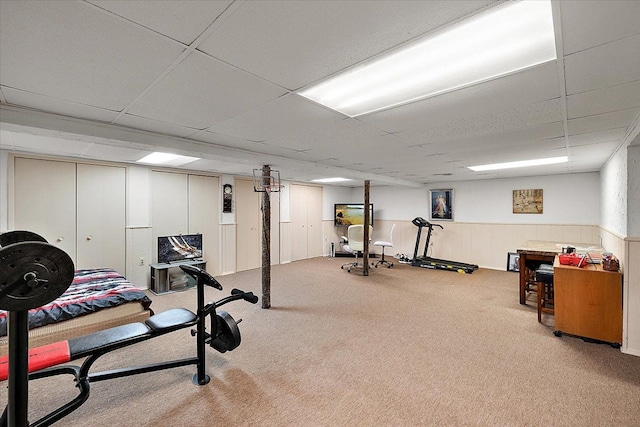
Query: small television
{"points": [[179, 248], [345, 214]]}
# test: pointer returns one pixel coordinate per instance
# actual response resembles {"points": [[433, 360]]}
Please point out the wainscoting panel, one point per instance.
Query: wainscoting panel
{"points": [[228, 252], [477, 243]]}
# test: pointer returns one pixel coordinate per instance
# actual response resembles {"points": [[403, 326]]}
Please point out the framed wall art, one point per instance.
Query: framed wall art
{"points": [[513, 261], [441, 205], [527, 201]]}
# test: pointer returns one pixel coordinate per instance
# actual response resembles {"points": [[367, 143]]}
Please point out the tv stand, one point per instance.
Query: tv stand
{"points": [[168, 277]]}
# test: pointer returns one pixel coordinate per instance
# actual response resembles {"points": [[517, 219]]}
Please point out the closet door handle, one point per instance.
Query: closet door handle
{"points": [[89, 237]]}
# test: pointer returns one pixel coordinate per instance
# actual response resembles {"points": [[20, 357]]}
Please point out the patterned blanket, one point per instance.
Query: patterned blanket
{"points": [[91, 290]]}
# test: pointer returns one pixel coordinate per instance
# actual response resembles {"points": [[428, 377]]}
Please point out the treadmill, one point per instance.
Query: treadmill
{"points": [[435, 263]]}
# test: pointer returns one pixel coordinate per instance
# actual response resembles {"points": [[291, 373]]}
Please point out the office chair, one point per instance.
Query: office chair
{"points": [[384, 244], [355, 244]]}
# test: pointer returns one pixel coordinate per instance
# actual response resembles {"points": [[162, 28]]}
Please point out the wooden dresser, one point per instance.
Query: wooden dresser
{"points": [[588, 302]]}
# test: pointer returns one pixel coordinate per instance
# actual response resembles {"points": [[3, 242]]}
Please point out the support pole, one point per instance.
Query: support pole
{"points": [[365, 253], [266, 238]]}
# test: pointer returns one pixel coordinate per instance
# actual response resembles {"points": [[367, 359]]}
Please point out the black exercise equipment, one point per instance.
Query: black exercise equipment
{"points": [[34, 273], [435, 263]]}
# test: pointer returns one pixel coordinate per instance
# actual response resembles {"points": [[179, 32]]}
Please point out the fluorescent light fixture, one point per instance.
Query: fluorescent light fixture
{"points": [[520, 164], [167, 159], [500, 41], [327, 180]]}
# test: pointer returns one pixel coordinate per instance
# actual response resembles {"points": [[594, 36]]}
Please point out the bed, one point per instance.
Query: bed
{"points": [[97, 299]]}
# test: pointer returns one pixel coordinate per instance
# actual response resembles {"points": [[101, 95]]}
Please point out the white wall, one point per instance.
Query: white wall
{"points": [[613, 194], [4, 188], [567, 199], [633, 190]]}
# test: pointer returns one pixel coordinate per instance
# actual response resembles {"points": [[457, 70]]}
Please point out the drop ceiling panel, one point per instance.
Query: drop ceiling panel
{"points": [[283, 116], [511, 120], [57, 106], [143, 123], [606, 65], [608, 135], [601, 101], [201, 92], [242, 144], [621, 118], [114, 153], [181, 20], [591, 23], [296, 43], [530, 86], [48, 145], [95, 58]]}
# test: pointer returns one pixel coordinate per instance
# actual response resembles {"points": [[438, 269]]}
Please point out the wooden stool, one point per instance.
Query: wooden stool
{"points": [[544, 282]]}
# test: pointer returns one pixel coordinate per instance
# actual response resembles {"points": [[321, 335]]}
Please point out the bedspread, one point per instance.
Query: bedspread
{"points": [[90, 291]]}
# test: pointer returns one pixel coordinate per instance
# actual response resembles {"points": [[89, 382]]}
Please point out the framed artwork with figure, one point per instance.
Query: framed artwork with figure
{"points": [[441, 205]]}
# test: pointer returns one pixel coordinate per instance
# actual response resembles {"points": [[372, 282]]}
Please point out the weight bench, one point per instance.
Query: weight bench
{"points": [[34, 273], [101, 342]]}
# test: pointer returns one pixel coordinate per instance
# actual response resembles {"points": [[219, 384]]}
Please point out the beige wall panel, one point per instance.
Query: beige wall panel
{"points": [[285, 242], [314, 221], [631, 299], [169, 206], [101, 217], [44, 199], [299, 235], [228, 243], [248, 226], [138, 249], [204, 217]]}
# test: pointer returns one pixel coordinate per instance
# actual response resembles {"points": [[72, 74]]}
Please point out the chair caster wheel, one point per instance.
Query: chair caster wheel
{"points": [[557, 333], [342, 267]]}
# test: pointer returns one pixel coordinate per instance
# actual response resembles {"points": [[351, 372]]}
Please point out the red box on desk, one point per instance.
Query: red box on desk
{"points": [[573, 259]]}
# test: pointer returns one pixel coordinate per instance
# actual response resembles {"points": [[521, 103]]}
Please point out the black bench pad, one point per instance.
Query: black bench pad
{"points": [[170, 320], [87, 344]]}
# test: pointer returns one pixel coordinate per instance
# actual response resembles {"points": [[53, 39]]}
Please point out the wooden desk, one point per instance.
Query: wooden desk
{"points": [[588, 302], [532, 253]]}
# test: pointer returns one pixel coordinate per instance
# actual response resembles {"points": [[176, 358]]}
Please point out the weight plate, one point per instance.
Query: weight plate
{"points": [[228, 335], [33, 274], [17, 236]]}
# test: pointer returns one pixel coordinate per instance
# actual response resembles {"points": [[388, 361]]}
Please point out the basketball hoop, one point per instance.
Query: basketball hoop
{"points": [[266, 181]]}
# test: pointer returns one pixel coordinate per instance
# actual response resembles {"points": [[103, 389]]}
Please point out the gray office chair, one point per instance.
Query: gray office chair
{"points": [[355, 244], [384, 244]]}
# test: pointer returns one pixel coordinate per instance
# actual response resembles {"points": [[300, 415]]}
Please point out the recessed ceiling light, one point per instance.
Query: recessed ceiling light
{"points": [[520, 164], [503, 40], [167, 159], [327, 180]]}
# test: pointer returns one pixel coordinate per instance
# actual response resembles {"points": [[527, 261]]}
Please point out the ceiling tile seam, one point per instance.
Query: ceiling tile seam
{"points": [[185, 53], [191, 48], [3, 98], [606, 87], [602, 44], [5, 101], [601, 114], [562, 80], [626, 128]]}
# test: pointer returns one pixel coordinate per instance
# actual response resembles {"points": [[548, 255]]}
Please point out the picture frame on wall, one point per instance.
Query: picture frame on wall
{"points": [[527, 201], [513, 261], [441, 202]]}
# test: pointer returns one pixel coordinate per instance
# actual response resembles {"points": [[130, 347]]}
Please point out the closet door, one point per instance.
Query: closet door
{"points": [[248, 226], [169, 206], [298, 197], [306, 221], [101, 217], [44, 200], [204, 217], [314, 222]]}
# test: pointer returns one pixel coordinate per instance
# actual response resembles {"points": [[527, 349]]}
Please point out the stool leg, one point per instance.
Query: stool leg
{"points": [[540, 288]]}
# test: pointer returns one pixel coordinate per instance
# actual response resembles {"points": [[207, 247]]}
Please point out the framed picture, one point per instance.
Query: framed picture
{"points": [[441, 205], [513, 261], [527, 201]]}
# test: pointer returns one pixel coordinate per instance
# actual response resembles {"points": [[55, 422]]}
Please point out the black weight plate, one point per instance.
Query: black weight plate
{"points": [[33, 274], [17, 236], [228, 334]]}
